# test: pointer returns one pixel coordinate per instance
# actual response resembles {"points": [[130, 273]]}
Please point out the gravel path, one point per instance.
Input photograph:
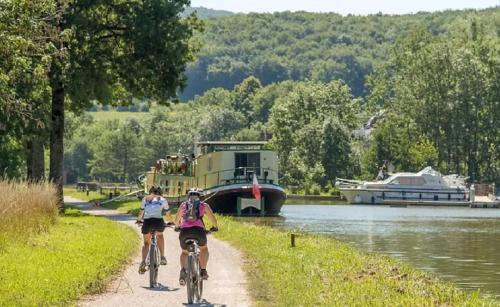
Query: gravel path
{"points": [[226, 286]]}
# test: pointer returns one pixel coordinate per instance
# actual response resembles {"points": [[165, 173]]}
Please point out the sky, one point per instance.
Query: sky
{"points": [[344, 7]]}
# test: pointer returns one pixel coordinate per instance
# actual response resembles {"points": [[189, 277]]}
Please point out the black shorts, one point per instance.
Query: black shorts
{"points": [[197, 233], [153, 224]]}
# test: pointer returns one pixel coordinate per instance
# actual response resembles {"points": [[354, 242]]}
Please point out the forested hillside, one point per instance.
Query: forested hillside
{"points": [[307, 46], [204, 13]]}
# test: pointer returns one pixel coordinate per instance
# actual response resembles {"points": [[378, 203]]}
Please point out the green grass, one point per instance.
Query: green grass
{"points": [[112, 115], [125, 206], [130, 206], [76, 256], [321, 271], [93, 195]]}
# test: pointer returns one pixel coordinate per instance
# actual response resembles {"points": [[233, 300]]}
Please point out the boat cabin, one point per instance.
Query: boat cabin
{"points": [[214, 164]]}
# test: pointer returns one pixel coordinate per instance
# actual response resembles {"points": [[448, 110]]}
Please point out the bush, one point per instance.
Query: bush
{"points": [[312, 189], [332, 190]]}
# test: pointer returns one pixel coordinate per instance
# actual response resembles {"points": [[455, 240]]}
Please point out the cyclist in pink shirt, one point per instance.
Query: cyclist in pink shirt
{"points": [[189, 219]]}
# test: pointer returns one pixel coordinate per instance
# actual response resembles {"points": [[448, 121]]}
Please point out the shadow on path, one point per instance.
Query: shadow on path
{"points": [[205, 303], [161, 288]]}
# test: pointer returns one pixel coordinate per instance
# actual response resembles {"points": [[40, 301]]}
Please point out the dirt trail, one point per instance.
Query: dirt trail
{"points": [[226, 286]]}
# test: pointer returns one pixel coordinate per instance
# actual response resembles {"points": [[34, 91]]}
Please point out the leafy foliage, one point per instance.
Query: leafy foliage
{"points": [[310, 127], [443, 93]]}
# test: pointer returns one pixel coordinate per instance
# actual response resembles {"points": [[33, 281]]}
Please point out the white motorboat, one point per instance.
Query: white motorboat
{"points": [[425, 187]]}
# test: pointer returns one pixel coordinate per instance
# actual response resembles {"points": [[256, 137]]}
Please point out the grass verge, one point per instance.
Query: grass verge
{"points": [[75, 256], [321, 271], [92, 196], [125, 206]]}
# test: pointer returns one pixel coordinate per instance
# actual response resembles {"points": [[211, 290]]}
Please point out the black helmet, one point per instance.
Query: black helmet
{"points": [[158, 191], [155, 190]]}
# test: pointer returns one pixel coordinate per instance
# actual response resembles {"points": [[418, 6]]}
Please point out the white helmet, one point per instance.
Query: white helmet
{"points": [[195, 191]]}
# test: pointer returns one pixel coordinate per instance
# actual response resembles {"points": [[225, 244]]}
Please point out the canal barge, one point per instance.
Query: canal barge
{"points": [[427, 187], [228, 172]]}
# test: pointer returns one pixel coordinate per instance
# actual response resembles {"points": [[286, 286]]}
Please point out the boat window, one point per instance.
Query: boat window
{"points": [[247, 162], [409, 181], [418, 181]]}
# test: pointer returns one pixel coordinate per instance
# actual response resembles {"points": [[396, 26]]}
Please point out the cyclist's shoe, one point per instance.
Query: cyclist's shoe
{"points": [[204, 274], [163, 260], [142, 267], [182, 277]]}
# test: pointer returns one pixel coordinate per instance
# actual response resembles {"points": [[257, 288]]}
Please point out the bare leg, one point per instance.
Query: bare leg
{"points": [[184, 255], [203, 256], [145, 247], [161, 243]]}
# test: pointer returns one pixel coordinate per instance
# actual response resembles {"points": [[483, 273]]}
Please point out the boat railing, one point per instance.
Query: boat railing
{"points": [[240, 175], [340, 182]]}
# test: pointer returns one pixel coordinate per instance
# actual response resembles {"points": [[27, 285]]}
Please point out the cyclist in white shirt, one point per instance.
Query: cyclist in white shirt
{"points": [[153, 208]]}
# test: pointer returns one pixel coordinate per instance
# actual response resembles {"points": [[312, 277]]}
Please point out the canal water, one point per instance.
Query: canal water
{"points": [[461, 245]]}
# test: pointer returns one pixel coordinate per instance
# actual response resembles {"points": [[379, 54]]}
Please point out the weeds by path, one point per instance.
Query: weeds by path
{"points": [[26, 209]]}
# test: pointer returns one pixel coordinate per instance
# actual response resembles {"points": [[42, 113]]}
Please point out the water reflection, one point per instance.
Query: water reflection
{"points": [[458, 244]]}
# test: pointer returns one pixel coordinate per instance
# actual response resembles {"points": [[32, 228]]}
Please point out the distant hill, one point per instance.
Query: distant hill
{"points": [[205, 13], [315, 46]]}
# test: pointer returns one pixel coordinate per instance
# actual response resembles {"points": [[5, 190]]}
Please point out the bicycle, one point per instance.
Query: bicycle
{"points": [[194, 283], [153, 260]]}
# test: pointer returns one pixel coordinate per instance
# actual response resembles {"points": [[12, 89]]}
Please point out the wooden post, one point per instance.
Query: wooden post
{"points": [[292, 239]]}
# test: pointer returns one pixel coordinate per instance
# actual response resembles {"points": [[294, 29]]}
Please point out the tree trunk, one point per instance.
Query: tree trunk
{"points": [[57, 140], [35, 160]]}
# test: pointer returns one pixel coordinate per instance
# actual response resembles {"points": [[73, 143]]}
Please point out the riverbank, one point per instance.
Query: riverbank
{"points": [[75, 256], [323, 271]]}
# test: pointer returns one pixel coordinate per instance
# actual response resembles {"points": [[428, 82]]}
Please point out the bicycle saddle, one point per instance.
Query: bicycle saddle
{"points": [[190, 241]]}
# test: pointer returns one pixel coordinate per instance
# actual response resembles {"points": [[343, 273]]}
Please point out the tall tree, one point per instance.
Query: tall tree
{"points": [[110, 51], [119, 153], [298, 122], [24, 89]]}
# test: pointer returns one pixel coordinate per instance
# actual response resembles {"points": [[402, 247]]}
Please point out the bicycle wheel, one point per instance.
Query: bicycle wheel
{"points": [[198, 281], [153, 265], [190, 284], [200, 288]]}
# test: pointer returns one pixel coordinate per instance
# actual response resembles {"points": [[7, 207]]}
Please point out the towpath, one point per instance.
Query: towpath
{"points": [[226, 286]]}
